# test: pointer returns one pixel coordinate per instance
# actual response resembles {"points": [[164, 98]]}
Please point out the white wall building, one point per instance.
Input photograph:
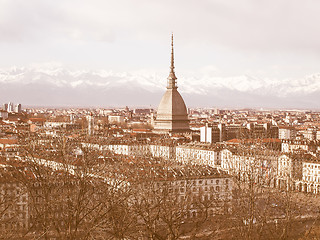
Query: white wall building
{"points": [[10, 107], [259, 166], [287, 133], [196, 184], [115, 119], [168, 152], [311, 177], [18, 108], [197, 155], [291, 146]]}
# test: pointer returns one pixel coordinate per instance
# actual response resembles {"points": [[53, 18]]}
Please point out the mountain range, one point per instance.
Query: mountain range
{"points": [[63, 87]]}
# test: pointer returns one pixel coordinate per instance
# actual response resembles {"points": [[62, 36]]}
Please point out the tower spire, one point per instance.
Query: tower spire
{"points": [[172, 56], [172, 76]]}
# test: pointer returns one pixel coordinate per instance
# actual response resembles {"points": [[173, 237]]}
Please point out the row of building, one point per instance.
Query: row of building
{"points": [[212, 133], [29, 200], [268, 167]]}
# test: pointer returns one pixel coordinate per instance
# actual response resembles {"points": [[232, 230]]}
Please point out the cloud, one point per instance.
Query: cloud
{"points": [[249, 24], [47, 21]]}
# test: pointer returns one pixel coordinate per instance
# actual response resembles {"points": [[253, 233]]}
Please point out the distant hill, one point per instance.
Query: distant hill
{"points": [[62, 87]]}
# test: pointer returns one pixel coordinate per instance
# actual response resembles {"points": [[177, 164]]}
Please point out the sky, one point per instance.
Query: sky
{"points": [[270, 42]]}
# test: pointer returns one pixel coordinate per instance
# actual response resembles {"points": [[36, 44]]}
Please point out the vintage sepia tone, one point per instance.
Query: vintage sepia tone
{"points": [[96, 143]]}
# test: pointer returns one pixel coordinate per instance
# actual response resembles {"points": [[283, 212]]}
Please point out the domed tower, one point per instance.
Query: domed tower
{"points": [[172, 115]]}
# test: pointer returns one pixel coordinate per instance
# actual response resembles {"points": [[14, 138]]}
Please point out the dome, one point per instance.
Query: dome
{"points": [[172, 106], [172, 115]]}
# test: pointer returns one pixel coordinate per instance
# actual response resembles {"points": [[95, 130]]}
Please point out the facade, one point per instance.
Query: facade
{"points": [[90, 120], [311, 176], [14, 205], [296, 145], [18, 108], [310, 134], [197, 155], [172, 115], [289, 170], [234, 131], [115, 119], [167, 152], [189, 186], [248, 165], [186, 154], [5, 106], [10, 107], [212, 133], [226, 156], [287, 133]]}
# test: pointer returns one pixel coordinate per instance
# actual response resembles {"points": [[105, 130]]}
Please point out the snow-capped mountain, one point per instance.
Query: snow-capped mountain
{"points": [[60, 86]]}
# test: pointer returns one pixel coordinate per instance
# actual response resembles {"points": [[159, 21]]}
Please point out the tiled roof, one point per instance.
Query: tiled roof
{"points": [[8, 141]]}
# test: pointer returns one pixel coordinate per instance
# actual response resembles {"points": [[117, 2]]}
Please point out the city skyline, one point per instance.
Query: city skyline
{"points": [[103, 53]]}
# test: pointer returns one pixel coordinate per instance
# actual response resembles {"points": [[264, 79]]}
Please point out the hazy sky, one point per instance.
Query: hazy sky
{"points": [[270, 39]]}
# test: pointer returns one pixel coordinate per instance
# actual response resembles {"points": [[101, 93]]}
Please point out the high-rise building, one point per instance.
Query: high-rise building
{"points": [[5, 106], [10, 107], [18, 108], [287, 132], [172, 116], [90, 120], [212, 133]]}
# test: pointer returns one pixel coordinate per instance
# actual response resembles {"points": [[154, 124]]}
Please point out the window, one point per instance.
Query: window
{"points": [[217, 181]]}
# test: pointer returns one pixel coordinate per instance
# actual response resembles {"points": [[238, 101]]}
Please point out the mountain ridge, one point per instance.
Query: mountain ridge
{"points": [[62, 86]]}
